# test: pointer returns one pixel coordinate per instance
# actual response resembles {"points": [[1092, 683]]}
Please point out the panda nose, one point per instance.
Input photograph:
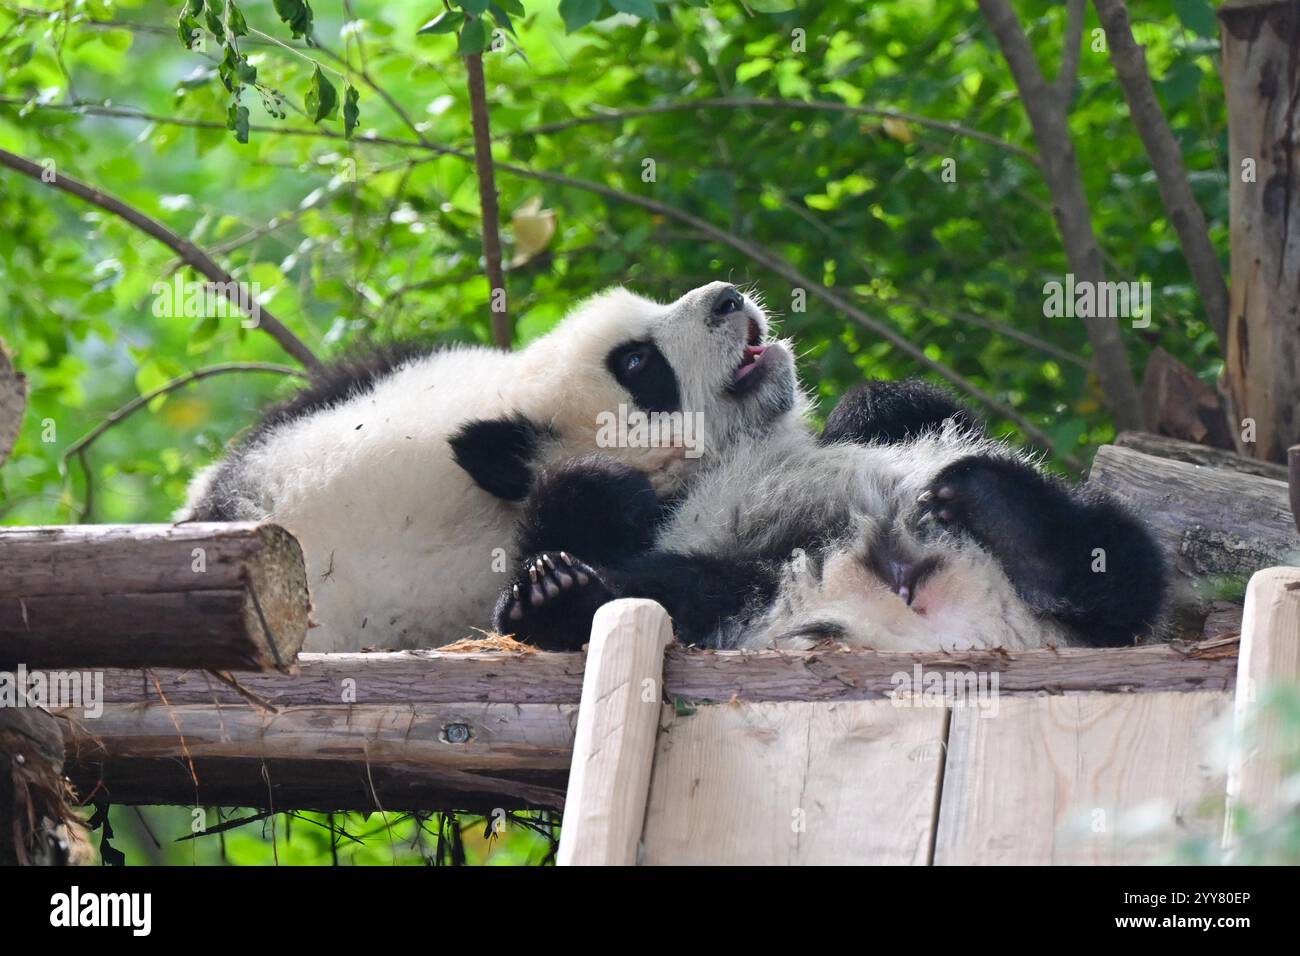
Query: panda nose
{"points": [[728, 301]]}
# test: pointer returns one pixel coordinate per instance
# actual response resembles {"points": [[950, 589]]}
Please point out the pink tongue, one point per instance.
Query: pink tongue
{"points": [[752, 353]]}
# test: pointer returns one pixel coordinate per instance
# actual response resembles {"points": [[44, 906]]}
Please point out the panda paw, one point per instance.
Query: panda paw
{"points": [[987, 497], [552, 602]]}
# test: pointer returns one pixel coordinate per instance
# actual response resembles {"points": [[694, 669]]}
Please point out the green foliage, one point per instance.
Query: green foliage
{"points": [[351, 239]]}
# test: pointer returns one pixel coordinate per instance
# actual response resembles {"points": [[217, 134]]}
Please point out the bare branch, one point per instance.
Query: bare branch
{"points": [[732, 103], [1060, 166], [79, 447], [1166, 158], [191, 254], [1068, 75], [85, 441], [502, 333]]}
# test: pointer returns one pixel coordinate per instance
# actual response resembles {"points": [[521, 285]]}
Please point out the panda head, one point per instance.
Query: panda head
{"points": [[707, 357]]}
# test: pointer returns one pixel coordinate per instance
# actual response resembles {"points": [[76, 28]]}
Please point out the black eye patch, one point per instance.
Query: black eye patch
{"points": [[642, 369]]}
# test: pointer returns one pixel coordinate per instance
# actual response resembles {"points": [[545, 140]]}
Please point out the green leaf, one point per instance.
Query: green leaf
{"points": [[296, 13], [1197, 16], [513, 7], [235, 20], [322, 101], [473, 39], [475, 7], [351, 112], [237, 119], [21, 54], [445, 22], [638, 8], [188, 29], [578, 13]]}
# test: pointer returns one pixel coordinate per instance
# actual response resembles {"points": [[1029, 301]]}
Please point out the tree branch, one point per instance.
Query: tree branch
{"points": [[13, 403], [1068, 75], [1166, 158], [1060, 166], [191, 254], [729, 103], [502, 333], [82, 444]]}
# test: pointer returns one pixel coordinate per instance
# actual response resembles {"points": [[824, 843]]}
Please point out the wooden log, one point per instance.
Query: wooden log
{"points": [[1261, 44], [1270, 658], [13, 403], [690, 674], [1209, 521], [365, 757], [38, 826], [618, 722], [1161, 446], [217, 596]]}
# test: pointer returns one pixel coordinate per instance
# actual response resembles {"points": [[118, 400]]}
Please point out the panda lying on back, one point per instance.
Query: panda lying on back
{"points": [[901, 528], [400, 476]]}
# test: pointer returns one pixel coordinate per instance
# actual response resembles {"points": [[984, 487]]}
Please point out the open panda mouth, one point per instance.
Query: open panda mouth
{"points": [[751, 359]]}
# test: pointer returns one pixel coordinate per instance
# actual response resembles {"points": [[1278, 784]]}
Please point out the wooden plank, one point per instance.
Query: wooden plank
{"points": [[219, 596], [615, 738], [1087, 779], [342, 757], [1209, 521], [780, 783], [1270, 657], [690, 674]]}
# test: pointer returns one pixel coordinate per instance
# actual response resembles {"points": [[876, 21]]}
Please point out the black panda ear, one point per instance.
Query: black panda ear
{"points": [[498, 453]]}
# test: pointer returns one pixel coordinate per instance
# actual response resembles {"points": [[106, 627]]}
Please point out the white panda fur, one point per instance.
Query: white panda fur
{"points": [[400, 544]]}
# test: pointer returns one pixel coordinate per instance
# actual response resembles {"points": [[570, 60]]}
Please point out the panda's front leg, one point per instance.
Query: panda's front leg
{"points": [[1071, 552]]}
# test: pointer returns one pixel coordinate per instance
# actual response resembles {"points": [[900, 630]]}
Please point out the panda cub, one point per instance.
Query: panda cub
{"points": [[901, 528], [402, 475]]}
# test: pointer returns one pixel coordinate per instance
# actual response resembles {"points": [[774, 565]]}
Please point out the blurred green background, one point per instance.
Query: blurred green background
{"points": [[351, 240]]}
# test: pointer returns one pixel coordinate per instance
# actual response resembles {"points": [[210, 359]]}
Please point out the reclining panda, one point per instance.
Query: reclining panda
{"points": [[401, 474], [900, 528]]}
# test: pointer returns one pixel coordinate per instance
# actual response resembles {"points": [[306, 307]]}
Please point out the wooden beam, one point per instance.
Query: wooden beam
{"points": [[690, 674], [218, 596], [1270, 658], [618, 722], [1208, 520]]}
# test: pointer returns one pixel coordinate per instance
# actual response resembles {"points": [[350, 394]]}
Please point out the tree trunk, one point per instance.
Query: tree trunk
{"points": [[1261, 78]]}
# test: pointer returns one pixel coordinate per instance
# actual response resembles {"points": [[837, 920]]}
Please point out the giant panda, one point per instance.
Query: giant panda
{"points": [[401, 474], [900, 528]]}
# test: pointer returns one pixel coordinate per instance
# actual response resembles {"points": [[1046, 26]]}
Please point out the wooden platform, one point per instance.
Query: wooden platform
{"points": [[970, 776]]}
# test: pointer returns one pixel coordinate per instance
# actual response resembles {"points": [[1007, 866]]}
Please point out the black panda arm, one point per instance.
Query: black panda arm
{"points": [[592, 506], [890, 412], [497, 453], [1071, 552], [553, 600]]}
